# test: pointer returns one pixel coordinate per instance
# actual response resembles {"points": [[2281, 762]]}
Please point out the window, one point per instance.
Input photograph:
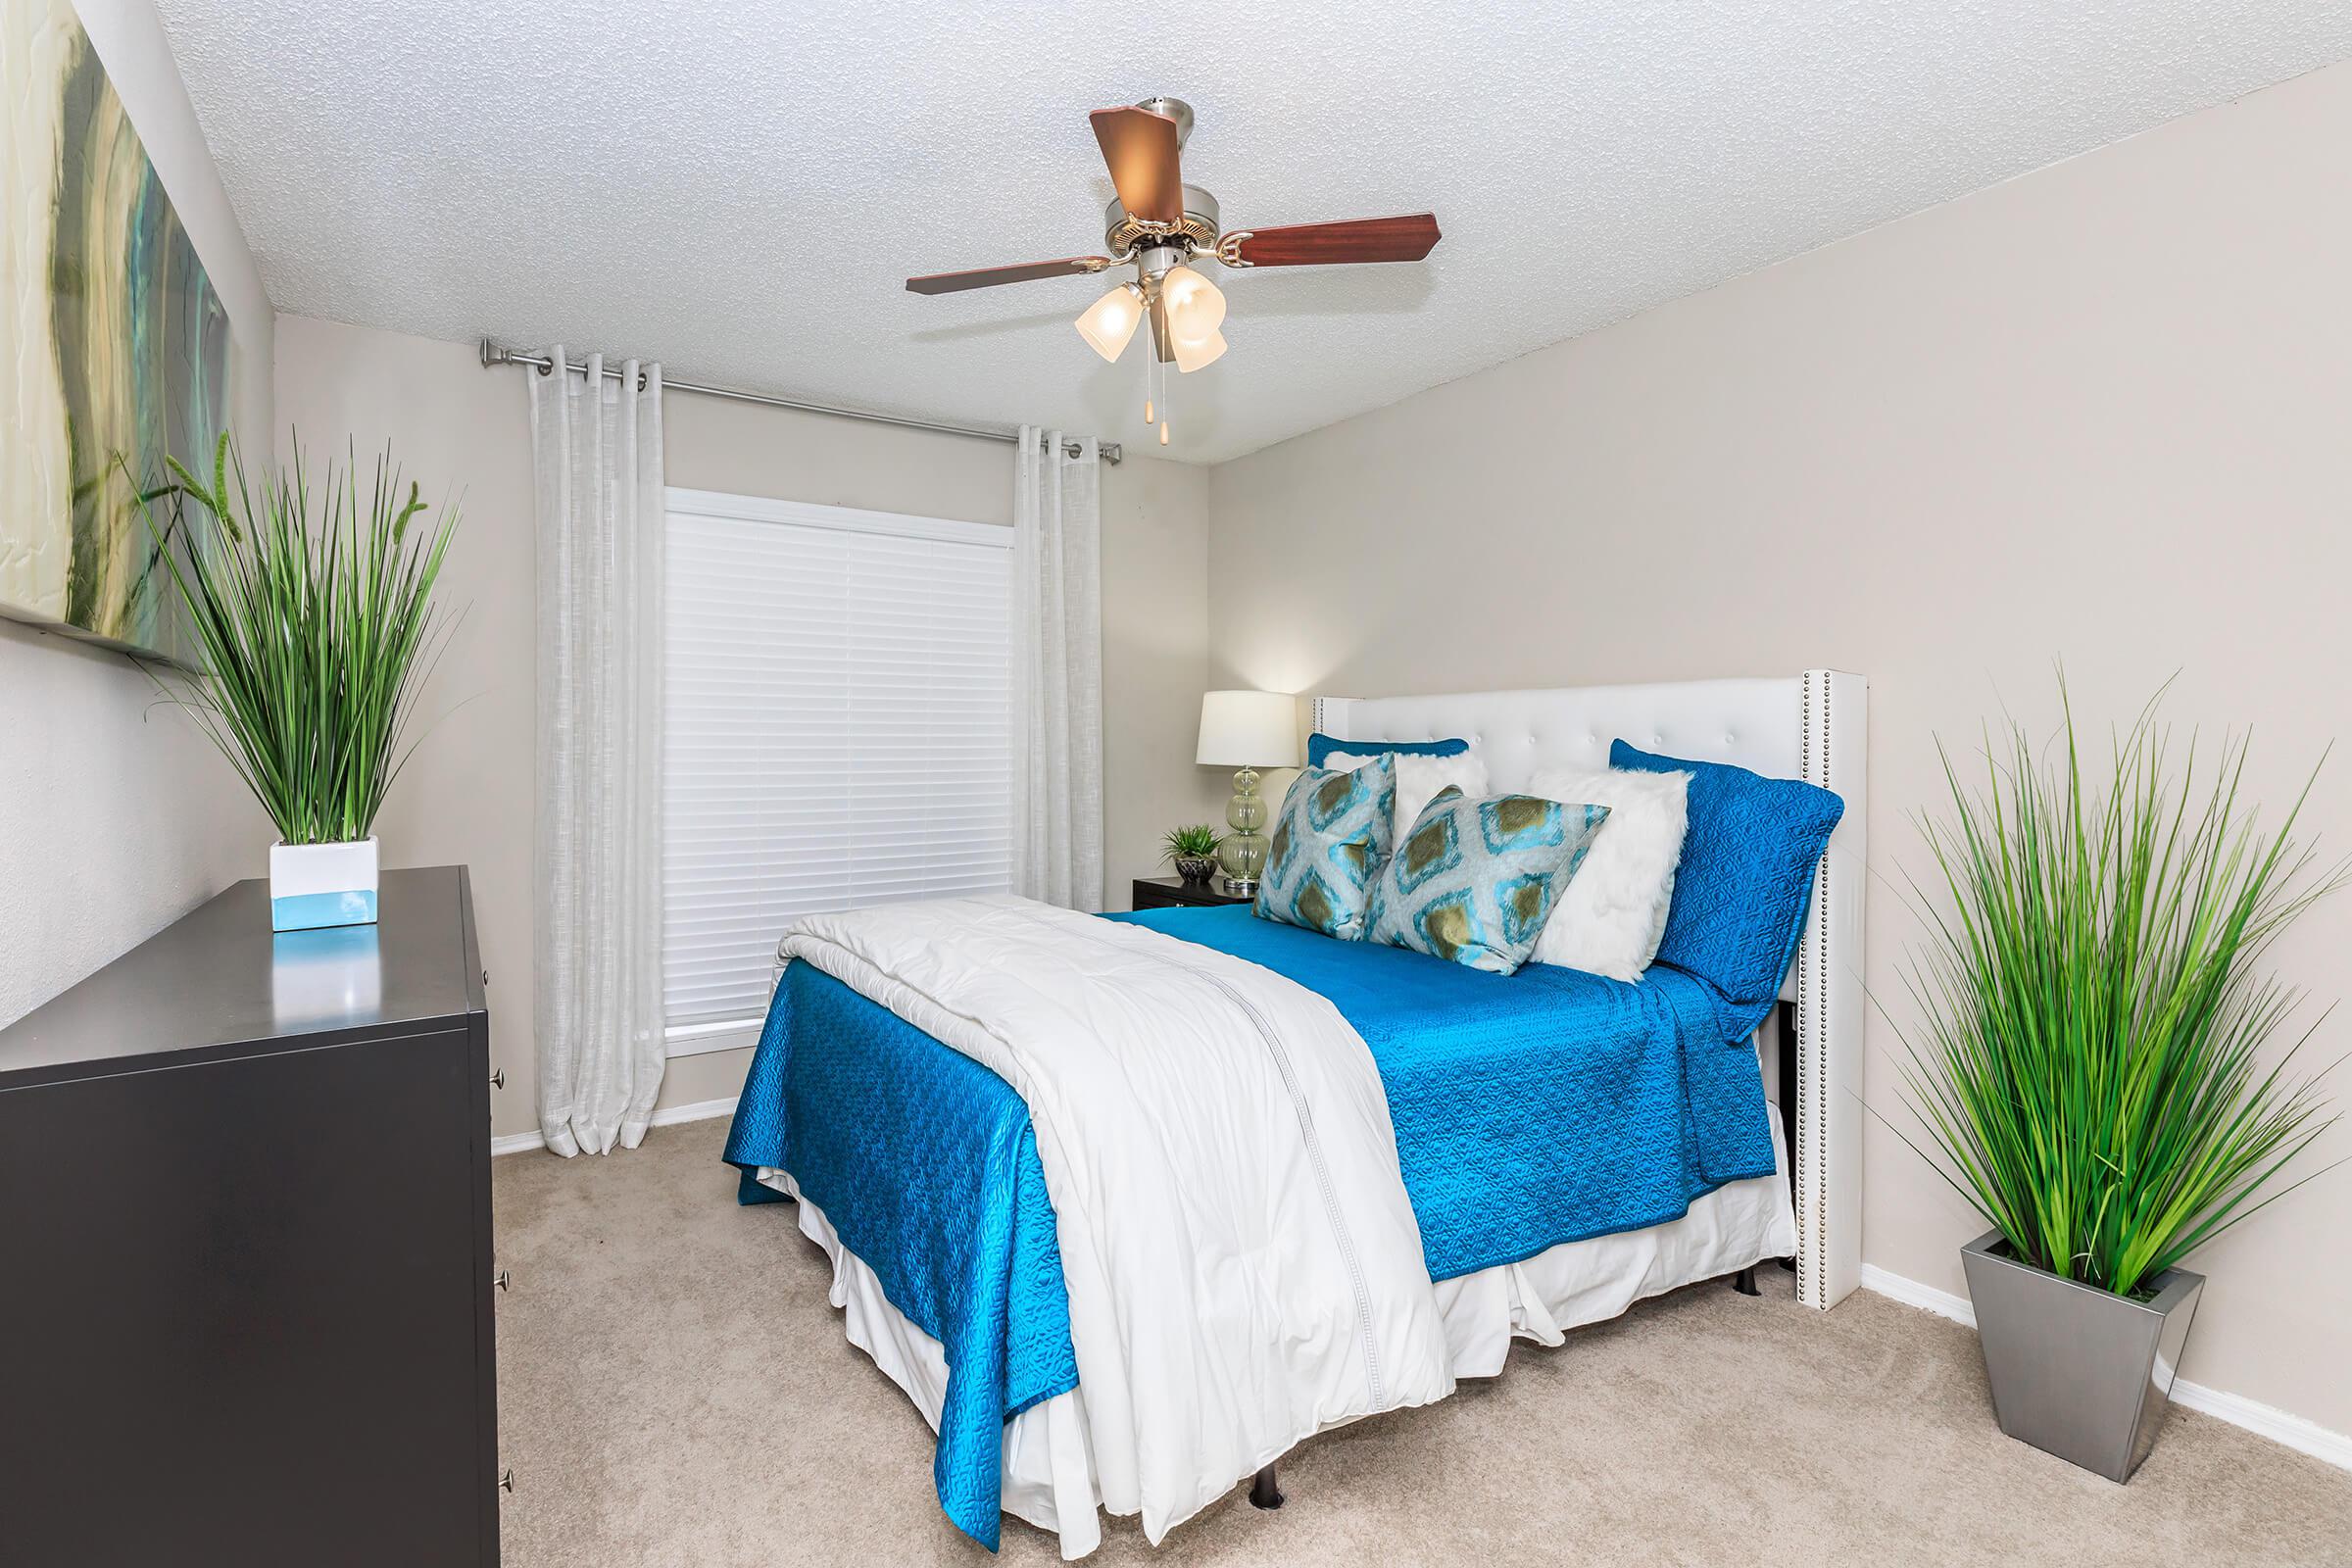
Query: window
{"points": [[838, 732]]}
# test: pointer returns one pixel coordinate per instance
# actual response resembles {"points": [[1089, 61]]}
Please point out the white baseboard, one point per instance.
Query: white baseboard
{"points": [[666, 1116], [2279, 1426], [1927, 1297]]}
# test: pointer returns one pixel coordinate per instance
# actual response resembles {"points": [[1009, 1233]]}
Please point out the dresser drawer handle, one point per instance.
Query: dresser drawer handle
{"points": [[497, 1079], [499, 1279], [506, 1479]]}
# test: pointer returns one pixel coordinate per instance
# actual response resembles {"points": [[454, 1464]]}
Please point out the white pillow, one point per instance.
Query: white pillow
{"points": [[1613, 916], [1419, 779]]}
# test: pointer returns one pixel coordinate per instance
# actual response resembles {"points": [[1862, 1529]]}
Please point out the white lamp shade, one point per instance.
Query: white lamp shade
{"points": [[1194, 307], [1249, 729], [1191, 356], [1108, 322]]}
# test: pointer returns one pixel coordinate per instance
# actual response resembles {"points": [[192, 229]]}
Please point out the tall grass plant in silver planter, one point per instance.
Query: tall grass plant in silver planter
{"points": [[313, 621], [2090, 1065]]}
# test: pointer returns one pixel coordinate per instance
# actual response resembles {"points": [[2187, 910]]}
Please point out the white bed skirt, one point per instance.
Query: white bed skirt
{"points": [[1048, 1460]]}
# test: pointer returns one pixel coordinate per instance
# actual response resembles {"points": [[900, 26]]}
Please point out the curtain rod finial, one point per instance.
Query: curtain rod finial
{"points": [[492, 355]]}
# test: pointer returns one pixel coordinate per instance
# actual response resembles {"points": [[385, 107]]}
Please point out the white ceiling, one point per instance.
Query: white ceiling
{"points": [[740, 190]]}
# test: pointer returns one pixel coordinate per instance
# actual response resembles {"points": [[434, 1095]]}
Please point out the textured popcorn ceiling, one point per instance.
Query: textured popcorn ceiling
{"points": [[739, 191]]}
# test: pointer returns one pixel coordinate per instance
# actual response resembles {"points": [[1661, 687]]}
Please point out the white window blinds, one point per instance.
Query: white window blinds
{"points": [[837, 731]]}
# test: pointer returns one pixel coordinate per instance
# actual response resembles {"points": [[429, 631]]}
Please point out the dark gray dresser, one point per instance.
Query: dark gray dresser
{"points": [[245, 1273]]}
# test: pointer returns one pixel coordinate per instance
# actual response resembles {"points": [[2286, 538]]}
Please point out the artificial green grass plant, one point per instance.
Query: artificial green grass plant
{"points": [[310, 639], [2087, 1062]]}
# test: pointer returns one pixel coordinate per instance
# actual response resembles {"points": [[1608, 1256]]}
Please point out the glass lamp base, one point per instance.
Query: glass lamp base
{"points": [[1242, 857], [1244, 853]]}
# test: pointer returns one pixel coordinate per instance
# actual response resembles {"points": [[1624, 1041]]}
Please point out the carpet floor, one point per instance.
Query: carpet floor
{"points": [[673, 1389]]}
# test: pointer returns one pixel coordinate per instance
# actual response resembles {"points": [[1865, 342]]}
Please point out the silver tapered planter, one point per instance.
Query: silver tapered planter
{"points": [[2079, 1372]]}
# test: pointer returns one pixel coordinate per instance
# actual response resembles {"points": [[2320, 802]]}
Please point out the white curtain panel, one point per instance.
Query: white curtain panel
{"points": [[596, 451], [1057, 672]]}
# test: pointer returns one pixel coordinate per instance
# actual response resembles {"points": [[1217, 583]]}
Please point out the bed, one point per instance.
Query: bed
{"points": [[1568, 1145]]}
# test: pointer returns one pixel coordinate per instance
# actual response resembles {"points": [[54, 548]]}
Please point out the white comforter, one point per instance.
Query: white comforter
{"points": [[1243, 1267]]}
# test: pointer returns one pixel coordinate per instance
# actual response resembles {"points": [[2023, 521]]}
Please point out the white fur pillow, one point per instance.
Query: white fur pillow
{"points": [[1419, 779], [1613, 916]]}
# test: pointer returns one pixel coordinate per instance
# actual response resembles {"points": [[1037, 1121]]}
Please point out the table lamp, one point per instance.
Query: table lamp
{"points": [[1246, 731]]}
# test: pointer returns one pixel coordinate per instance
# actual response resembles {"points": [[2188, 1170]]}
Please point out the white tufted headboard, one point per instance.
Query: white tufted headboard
{"points": [[1813, 726]]}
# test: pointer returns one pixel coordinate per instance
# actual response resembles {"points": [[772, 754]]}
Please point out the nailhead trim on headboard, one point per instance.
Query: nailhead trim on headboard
{"points": [[1813, 1085]]}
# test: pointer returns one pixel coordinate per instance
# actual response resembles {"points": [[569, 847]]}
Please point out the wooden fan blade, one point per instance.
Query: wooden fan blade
{"points": [[991, 276], [1140, 147], [1362, 239]]}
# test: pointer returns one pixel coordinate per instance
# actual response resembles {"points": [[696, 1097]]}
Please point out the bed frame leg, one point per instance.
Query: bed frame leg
{"points": [[1788, 1263], [1263, 1493], [1745, 1282]]}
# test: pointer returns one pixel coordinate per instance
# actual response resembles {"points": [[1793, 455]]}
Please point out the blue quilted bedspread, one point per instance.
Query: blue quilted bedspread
{"points": [[925, 1164], [1529, 1110], [1532, 1108]]}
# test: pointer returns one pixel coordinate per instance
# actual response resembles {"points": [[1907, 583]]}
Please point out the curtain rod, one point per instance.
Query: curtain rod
{"points": [[495, 354]]}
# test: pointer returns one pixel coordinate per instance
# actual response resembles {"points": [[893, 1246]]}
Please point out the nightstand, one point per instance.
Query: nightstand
{"points": [[1168, 893]]}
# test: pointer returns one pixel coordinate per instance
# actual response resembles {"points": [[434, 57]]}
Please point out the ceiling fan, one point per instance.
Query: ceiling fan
{"points": [[1161, 224]]}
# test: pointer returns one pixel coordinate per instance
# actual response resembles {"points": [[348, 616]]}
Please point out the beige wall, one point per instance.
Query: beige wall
{"points": [[2103, 414], [467, 795], [117, 816]]}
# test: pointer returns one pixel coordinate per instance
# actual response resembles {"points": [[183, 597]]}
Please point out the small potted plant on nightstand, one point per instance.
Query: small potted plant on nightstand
{"points": [[2090, 1066], [1193, 850]]}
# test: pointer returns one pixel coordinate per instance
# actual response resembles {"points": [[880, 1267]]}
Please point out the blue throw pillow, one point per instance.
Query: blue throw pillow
{"points": [[1746, 876], [1320, 746]]}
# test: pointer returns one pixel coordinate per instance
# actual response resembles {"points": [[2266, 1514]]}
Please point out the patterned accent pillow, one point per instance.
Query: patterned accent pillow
{"points": [[1330, 841], [1475, 879]]}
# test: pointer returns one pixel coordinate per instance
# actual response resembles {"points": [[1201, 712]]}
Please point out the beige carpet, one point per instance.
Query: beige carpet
{"points": [[673, 1389]]}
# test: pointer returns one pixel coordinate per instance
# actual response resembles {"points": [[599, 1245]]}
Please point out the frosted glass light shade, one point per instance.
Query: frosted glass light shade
{"points": [[1108, 322], [1249, 729], [1194, 306], [1190, 357]]}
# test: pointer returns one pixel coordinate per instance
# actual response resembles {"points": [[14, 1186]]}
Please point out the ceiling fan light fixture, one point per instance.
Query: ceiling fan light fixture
{"points": [[1157, 223], [1195, 308], [1109, 323], [1191, 356]]}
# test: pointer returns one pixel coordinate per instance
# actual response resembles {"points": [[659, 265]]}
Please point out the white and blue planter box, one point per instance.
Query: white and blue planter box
{"points": [[313, 885]]}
